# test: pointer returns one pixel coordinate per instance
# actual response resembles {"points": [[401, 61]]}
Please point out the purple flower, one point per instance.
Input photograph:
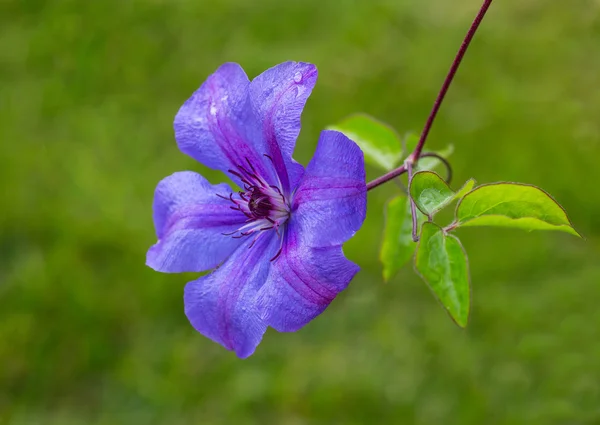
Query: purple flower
{"points": [[276, 244]]}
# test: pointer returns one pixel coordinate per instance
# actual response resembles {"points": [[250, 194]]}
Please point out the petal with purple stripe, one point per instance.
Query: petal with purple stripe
{"points": [[218, 127], [302, 282], [330, 203], [190, 221], [221, 305], [278, 97]]}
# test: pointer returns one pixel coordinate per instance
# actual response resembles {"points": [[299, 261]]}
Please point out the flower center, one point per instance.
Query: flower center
{"points": [[259, 204], [265, 205], [263, 202]]}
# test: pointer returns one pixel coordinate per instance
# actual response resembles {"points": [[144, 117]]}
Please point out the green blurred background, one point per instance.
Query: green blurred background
{"points": [[89, 335]]}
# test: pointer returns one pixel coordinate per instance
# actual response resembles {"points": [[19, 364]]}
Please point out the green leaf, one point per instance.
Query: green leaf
{"points": [[430, 192], [398, 245], [442, 263], [512, 205], [380, 143]]}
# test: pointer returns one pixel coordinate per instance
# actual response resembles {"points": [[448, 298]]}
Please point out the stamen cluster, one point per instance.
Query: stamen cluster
{"points": [[263, 204]]}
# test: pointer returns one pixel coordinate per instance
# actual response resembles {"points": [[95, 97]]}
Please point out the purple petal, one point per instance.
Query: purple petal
{"points": [[190, 220], [278, 98], [302, 283], [330, 203], [221, 305], [218, 127]]}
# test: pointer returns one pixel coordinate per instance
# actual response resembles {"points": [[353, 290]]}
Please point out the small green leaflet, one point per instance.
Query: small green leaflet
{"points": [[398, 246], [431, 193], [380, 143], [442, 263], [512, 205], [467, 187]]}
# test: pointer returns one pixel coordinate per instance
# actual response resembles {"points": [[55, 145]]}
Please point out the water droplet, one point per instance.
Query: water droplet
{"points": [[298, 77]]}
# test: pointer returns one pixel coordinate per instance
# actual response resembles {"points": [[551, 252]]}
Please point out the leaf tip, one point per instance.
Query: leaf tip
{"points": [[462, 322], [574, 232]]}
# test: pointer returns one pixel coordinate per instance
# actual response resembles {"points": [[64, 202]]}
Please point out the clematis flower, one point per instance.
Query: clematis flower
{"points": [[276, 244]]}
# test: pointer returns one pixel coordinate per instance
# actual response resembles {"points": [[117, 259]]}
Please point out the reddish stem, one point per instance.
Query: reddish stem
{"points": [[414, 156]]}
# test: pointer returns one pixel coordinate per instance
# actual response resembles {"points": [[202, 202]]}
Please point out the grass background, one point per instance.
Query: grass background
{"points": [[89, 335]]}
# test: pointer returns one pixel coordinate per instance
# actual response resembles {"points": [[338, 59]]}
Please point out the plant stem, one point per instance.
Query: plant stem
{"points": [[413, 207], [386, 177], [414, 156]]}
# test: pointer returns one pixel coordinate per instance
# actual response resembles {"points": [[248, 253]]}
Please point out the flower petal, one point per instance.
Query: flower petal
{"points": [[303, 281], [278, 97], [221, 305], [218, 127], [190, 220], [330, 203]]}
